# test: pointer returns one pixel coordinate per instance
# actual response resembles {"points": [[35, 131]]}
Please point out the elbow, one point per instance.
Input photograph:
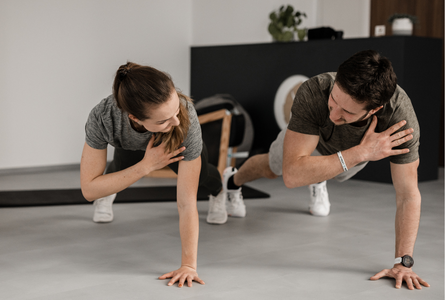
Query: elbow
{"points": [[412, 200], [290, 181], [291, 177], [87, 195], [188, 210]]}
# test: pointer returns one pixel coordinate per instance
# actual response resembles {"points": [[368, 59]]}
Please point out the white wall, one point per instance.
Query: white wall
{"points": [[219, 22], [58, 59], [351, 16]]}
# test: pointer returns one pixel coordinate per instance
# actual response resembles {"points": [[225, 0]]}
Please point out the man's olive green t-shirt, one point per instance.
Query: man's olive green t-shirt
{"points": [[310, 115]]}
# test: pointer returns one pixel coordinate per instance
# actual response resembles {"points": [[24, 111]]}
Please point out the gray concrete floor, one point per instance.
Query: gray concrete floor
{"points": [[278, 251]]}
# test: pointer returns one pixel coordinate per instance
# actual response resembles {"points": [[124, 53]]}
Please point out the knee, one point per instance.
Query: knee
{"points": [[267, 171], [269, 174]]}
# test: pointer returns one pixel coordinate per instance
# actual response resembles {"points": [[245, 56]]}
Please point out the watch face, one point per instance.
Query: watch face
{"points": [[407, 261]]}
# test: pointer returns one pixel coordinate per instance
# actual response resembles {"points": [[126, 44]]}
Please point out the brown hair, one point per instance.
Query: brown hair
{"points": [[368, 78], [139, 89]]}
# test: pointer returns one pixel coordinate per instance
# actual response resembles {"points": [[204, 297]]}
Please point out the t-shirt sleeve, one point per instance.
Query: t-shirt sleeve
{"points": [[406, 112], [193, 141], [307, 109], [95, 133]]}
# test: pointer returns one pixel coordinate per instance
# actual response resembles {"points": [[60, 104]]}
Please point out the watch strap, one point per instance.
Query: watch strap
{"points": [[398, 260]]}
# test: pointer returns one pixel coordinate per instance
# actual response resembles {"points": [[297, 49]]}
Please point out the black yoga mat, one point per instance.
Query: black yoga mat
{"points": [[136, 194]]}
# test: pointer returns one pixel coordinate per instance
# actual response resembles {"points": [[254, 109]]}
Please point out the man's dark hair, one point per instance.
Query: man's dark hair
{"points": [[368, 78]]}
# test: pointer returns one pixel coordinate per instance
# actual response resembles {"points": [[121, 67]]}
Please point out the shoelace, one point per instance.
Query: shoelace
{"points": [[318, 199], [235, 197], [217, 205], [314, 189]]}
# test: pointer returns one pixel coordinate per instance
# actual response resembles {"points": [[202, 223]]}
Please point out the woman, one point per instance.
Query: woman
{"points": [[151, 125]]}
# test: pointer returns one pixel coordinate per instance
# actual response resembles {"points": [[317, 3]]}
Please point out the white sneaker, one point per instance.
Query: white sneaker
{"points": [[235, 203], [320, 205], [217, 209], [103, 212]]}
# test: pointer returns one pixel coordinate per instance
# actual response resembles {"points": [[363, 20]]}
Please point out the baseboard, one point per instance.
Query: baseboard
{"points": [[43, 169]]}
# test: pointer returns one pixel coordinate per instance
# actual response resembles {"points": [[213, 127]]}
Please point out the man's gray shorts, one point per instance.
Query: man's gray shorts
{"points": [[276, 159]]}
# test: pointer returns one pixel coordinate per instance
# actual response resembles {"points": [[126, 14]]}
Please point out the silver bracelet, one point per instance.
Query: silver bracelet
{"points": [[342, 161]]}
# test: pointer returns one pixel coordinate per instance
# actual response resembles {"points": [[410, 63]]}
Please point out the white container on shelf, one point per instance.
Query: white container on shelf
{"points": [[402, 26]]}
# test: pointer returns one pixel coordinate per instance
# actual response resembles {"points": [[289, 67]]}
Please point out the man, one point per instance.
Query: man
{"points": [[339, 122]]}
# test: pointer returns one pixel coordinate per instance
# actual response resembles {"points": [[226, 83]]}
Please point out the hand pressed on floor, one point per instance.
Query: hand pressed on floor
{"points": [[182, 275]]}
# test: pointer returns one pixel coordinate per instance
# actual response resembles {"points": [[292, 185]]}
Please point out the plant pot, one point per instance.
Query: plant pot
{"points": [[301, 33], [402, 26], [285, 36]]}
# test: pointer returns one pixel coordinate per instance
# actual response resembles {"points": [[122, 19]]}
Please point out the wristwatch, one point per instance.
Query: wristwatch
{"points": [[406, 260]]}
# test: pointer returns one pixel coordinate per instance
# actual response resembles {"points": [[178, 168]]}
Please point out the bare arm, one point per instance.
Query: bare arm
{"points": [[187, 189], [299, 168], [408, 201], [95, 184], [188, 179]]}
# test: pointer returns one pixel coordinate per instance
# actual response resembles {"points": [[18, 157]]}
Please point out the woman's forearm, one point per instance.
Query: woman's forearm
{"points": [[189, 231], [105, 185], [187, 191]]}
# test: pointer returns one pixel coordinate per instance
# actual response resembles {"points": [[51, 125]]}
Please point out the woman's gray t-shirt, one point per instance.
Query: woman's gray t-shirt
{"points": [[107, 124], [310, 115]]}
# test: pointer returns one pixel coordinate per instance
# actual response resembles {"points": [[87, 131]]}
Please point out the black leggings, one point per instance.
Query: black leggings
{"points": [[208, 178]]}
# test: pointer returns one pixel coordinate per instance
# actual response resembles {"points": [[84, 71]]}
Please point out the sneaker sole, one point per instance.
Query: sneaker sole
{"points": [[217, 223], [100, 220], [318, 214], [237, 216]]}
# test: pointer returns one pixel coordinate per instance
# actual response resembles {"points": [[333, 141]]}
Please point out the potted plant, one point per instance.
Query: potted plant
{"points": [[284, 22], [402, 24]]}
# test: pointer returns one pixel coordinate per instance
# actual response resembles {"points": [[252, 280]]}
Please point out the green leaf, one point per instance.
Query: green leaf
{"points": [[290, 21], [273, 16], [273, 30], [289, 9]]}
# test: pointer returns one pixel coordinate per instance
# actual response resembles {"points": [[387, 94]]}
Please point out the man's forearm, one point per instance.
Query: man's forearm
{"points": [[307, 170], [407, 224]]}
